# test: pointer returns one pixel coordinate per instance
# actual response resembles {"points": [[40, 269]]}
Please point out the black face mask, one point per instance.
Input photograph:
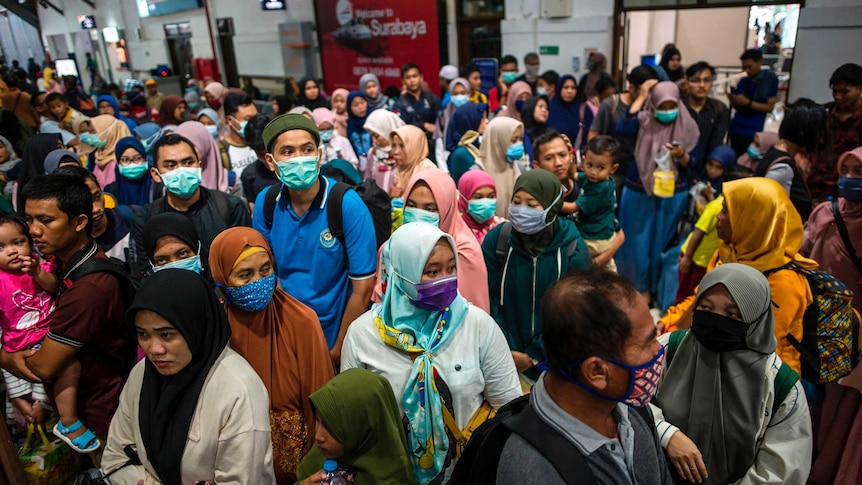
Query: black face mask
{"points": [[719, 333]]}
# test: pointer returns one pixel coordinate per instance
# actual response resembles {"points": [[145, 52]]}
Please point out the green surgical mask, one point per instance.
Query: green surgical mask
{"points": [[415, 214], [667, 116], [481, 209]]}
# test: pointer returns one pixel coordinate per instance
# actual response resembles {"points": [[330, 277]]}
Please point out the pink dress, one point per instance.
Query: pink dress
{"points": [[25, 309]]}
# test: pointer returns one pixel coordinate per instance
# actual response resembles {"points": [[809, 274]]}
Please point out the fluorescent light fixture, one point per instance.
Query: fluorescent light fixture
{"points": [[111, 34]]}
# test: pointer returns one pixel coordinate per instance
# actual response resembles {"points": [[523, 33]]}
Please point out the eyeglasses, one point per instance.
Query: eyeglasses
{"points": [[129, 161], [703, 80]]}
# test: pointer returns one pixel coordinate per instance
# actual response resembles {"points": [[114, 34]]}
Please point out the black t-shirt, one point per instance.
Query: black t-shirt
{"points": [[255, 178]]}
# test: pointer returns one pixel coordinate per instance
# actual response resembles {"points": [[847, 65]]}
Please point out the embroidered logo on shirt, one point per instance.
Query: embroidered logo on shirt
{"points": [[327, 240]]}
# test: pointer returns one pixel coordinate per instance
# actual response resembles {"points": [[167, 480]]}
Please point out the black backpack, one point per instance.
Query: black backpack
{"points": [[375, 198], [481, 458]]}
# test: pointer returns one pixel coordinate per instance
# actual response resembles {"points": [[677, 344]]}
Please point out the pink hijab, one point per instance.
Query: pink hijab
{"points": [[653, 134], [468, 184], [213, 174], [516, 89], [340, 119], [472, 274], [764, 140]]}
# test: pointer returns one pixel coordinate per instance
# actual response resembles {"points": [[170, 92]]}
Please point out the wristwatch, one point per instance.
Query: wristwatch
{"points": [[535, 362]]}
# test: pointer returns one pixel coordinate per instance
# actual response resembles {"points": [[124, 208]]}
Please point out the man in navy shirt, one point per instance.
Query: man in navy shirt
{"points": [[418, 107], [314, 266], [753, 97]]}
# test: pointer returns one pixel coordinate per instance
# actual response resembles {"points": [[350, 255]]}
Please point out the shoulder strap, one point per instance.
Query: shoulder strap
{"points": [[581, 127], [615, 103], [225, 154], [673, 343], [845, 236], [17, 100], [335, 215], [269, 201], [560, 452], [503, 240], [784, 159], [784, 382], [220, 199], [97, 265]]}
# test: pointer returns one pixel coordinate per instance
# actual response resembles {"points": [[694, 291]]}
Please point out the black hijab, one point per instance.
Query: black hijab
{"points": [[285, 103], [533, 128], [301, 100], [170, 224], [33, 162], [167, 404]]}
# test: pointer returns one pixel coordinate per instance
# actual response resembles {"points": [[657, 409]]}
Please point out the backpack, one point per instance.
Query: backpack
{"points": [[845, 236], [376, 199], [782, 385], [503, 243], [481, 457], [830, 328]]}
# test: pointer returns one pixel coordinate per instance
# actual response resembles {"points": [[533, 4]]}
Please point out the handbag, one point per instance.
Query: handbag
{"points": [[484, 413], [95, 476], [46, 462]]}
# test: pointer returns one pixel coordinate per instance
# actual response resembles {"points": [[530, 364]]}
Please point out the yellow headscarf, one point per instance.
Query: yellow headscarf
{"points": [[766, 230]]}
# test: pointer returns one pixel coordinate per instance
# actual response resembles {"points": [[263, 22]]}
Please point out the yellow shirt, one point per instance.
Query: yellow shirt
{"points": [[709, 243]]}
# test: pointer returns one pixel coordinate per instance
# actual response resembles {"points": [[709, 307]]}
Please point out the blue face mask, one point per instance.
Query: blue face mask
{"points": [[415, 214], [515, 151], [133, 171], [850, 188], [254, 296], [667, 116], [753, 152], [213, 131], [542, 91], [481, 209], [528, 220], [298, 173], [326, 135], [190, 264], [182, 181], [459, 100]]}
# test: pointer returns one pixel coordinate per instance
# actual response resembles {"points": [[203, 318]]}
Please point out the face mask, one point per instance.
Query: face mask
{"points": [[189, 264], [185, 115], [193, 106], [528, 220], [381, 154], [133, 171], [241, 130], [532, 70], [92, 140], [667, 116], [298, 173], [326, 135], [254, 296], [542, 91], [753, 152], [460, 100], [519, 105], [213, 131], [515, 151], [850, 188], [414, 214], [718, 333], [509, 77], [643, 380], [214, 103], [481, 209], [182, 181], [436, 295]]}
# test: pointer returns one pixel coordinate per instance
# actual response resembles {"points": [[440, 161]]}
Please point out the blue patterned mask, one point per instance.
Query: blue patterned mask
{"points": [[254, 296]]}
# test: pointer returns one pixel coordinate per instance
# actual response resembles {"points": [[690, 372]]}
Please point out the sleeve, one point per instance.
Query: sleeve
{"points": [[581, 177], [350, 155], [313, 359], [136, 241], [628, 125], [349, 350], [489, 253], [82, 311], [781, 173], [239, 215], [242, 442], [719, 128], [784, 455], [258, 221], [359, 236], [707, 221], [675, 313], [502, 383], [121, 434], [591, 203], [664, 430], [581, 259], [247, 180], [600, 122]]}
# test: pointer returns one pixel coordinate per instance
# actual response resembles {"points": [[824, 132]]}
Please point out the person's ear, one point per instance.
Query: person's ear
{"points": [[614, 168], [595, 372], [270, 162], [79, 222], [154, 173]]}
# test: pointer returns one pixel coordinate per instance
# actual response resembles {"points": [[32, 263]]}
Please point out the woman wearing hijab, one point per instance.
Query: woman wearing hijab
{"points": [[540, 248], [719, 391], [462, 138], [107, 105], [672, 65], [649, 220], [60, 158], [518, 91], [335, 145], [358, 110], [173, 111], [133, 185], [459, 94], [214, 175], [410, 153], [339, 110], [568, 112], [310, 94], [501, 148], [370, 86], [381, 167], [146, 130], [103, 160], [279, 337], [477, 202], [171, 242], [717, 164], [209, 118], [215, 92], [358, 411], [534, 114], [760, 228], [281, 104], [418, 335], [33, 162], [194, 410], [597, 65], [763, 141]]}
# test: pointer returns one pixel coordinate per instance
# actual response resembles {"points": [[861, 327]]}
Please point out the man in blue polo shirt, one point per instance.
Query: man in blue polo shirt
{"points": [[312, 264], [753, 97]]}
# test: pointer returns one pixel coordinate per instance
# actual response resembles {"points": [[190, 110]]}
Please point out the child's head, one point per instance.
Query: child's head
{"points": [[552, 153], [14, 241], [600, 160], [719, 160], [57, 105]]}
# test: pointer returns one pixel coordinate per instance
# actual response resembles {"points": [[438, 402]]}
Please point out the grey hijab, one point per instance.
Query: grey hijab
{"points": [[719, 399]]}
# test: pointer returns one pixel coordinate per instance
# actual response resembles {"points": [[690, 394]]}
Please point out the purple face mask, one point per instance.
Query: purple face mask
{"points": [[437, 294]]}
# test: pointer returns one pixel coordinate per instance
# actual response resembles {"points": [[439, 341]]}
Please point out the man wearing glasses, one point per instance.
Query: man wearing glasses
{"points": [[712, 116]]}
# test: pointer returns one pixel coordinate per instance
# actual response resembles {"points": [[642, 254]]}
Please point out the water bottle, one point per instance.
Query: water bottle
{"points": [[332, 475]]}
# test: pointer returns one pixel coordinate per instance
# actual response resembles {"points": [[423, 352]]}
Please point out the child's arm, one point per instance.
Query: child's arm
{"points": [[47, 280], [605, 257], [685, 261], [569, 208]]}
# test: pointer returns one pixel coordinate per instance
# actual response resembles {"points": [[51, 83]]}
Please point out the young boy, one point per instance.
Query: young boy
{"points": [[60, 112]]}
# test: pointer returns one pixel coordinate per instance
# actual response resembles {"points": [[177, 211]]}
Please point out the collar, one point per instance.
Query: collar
{"points": [[320, 199], [855, 114], [88, 251]]}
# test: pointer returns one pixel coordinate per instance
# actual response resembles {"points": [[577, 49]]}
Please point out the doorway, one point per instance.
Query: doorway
{"points": [[180, 50], [478, 24], [228, 54]]}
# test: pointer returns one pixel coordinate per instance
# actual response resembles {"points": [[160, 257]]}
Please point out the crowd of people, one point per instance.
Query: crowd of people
{"points": [[364, 280]]}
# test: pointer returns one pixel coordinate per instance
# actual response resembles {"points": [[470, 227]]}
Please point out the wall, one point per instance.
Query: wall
{"points": [[647, 33], [19, 40], [715, 35], [828, 36]]}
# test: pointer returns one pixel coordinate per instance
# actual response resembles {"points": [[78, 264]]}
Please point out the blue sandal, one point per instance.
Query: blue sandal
{"points": [[86, 443]]}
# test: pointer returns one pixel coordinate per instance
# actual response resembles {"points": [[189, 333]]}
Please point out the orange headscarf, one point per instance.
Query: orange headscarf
{"points": [[110, 130], [766, 230]]}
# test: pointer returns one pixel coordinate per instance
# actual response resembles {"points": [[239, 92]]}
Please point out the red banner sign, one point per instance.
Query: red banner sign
{"points": [[378, 37]]}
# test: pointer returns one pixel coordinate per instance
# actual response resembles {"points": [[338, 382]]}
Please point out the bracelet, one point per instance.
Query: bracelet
{"points": [[535, 362]]}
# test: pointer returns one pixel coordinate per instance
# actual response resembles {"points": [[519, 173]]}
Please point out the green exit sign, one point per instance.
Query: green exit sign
{"points": [[549, 50]]}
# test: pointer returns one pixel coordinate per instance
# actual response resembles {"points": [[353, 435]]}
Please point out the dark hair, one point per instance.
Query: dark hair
{"points": [[582, 316], [604, 145], [509, 59], [751, 54], [736, 172], [34, 99], [847, 74], [552, 77], [54, 97], [78, 172], [21, 74], [530, 56], [11, 79], [605, 81], [16, 220], [774, 36], [641, 74], [409, 66], [698, 67], [392, 91], [111, 87], [171, 140], [547, 137], [806, 124], [254, 132], [233, 101], [467, 69], [72, 195]]}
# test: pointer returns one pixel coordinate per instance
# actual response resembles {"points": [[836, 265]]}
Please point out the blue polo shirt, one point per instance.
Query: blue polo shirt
{"points": [[310, 261], [746, 121]]}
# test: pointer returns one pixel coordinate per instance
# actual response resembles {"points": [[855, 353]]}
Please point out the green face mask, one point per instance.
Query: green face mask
{"points": [[667, 116], [481, 209], [509, 77], [133, 171], [414, 214]]}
